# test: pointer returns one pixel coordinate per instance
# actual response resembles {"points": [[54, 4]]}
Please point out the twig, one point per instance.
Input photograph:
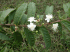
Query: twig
{"points": [[37, 25]]}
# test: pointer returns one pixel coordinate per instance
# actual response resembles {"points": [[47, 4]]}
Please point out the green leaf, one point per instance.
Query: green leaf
{"points": [[66, 7], [16, 39], [46, 37], [4, 37], [69, 12], [12, 28], [0, 13], [66, 24], [19, 13], [29, 36], [5, 14], [23, 19], [60, 27], [17, 36], [49, 10], [11, 16], [31, 9]]}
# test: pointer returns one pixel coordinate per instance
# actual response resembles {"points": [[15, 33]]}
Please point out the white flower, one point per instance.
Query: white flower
{"points": [[31, 19], [55, 26], [31, 26], [48, 17]]}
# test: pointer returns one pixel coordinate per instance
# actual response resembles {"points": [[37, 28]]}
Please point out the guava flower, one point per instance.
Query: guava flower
{"points": [[48, 17], [31, 26], [31, 19], [55, 26]]}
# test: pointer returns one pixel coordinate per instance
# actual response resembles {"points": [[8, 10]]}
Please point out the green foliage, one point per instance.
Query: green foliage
{"points": [[16, 40], [49, 10], [41, 16], [4, 37], [0, 13], [11, 50], [60, 27], [23, 19], [5, 14], [2, 30], [66, 24], [12, 28], [17, 37], [66, 8], [19, 13], [29, 36], [4, 50], [31, 10], [46, 37], [11, 17]]}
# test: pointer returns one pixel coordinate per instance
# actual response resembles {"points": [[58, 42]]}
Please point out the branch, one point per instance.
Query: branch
{"points": [[37, 25]]}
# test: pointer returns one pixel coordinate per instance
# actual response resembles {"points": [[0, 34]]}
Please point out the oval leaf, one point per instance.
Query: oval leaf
{"points": [[31, 9], [29, 36], [19, 13], [66, 7], [66, 24], [46, 37], [5, 14], [23, 19], [49, 10]]}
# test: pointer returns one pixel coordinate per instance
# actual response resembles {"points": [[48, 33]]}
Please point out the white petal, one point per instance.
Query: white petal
{"points": [[48, 20], [31, 19], [55, 26], [48, 17], [31, 26]]}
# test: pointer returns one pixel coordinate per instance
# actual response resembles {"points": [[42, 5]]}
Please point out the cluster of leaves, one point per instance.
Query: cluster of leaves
{"points": [[20, 15]]}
